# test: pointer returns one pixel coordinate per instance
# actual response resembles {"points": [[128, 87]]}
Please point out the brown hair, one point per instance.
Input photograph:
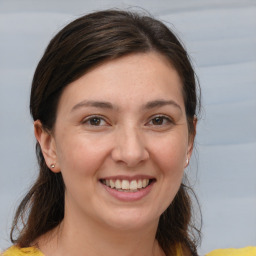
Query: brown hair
{"points": [[84, 43]]}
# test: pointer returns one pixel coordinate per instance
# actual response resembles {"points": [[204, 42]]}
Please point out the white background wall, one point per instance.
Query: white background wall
{"points": [[221, 38]]}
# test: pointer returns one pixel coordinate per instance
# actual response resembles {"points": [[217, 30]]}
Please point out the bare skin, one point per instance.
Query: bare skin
{"points": [[124, 120]]}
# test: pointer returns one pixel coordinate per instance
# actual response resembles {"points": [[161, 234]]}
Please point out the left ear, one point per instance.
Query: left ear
{"points": [[191, 140]]}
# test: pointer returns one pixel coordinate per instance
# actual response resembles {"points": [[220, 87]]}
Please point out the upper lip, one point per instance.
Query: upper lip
{"points": [[129, 178]]}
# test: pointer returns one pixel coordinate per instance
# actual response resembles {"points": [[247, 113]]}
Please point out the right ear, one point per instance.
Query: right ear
{"points": [[48, 146]]}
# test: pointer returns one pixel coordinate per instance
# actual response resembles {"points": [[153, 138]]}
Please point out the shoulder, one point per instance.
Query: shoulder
{"points": [[17, 251], [247, 251]]}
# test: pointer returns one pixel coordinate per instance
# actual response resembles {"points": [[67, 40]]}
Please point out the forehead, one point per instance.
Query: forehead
{"points": [[135, 78]]}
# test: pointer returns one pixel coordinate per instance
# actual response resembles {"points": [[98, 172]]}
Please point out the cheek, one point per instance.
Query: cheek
{"points": [[170, 157], [80, 155], [170, 154], [80, 160]]}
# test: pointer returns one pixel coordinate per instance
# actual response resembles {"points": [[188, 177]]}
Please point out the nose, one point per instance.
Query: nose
{"points": [[129, 148]]}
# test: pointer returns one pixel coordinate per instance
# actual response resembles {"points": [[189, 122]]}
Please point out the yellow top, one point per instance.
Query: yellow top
{"points": [[32, 251], [28, 251], [247, 251]]}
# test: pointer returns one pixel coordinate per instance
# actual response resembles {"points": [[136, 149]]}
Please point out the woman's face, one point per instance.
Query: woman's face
{"points": [[121, 141]]}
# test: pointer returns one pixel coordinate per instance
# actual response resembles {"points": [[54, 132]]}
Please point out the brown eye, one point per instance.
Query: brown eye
{"points": [[158, 120], [95, 121]]}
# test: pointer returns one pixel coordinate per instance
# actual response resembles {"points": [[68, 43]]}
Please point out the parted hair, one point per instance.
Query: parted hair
{"points": [[81, 45]]}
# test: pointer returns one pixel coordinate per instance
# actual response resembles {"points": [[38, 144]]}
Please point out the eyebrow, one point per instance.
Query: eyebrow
{"points": [[161, 103], [108, 105], [97, 104]]}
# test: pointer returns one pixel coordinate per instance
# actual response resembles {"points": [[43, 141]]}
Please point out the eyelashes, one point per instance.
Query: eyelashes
{"points": [[156, 121], [160, 120], [95, 120]]}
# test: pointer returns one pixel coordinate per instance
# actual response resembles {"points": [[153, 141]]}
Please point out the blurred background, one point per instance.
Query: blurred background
{"points": [[220, 37]]}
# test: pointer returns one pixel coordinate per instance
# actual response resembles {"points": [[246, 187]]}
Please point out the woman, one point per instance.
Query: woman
{"points": [[114, 103]]}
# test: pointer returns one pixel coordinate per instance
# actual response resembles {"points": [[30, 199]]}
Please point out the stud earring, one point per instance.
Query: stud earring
{"points": [[52, 165], [187, 161]]}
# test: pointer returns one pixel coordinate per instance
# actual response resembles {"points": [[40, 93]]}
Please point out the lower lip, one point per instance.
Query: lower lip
{"points": [[129, 196]]}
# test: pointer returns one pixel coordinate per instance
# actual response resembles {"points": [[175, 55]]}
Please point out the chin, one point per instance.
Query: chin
{"points": [[131, 220]]}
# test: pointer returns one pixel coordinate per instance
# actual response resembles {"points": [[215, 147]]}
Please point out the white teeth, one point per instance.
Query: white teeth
{"points": [[126, 185], [118, 184], [112, 183], [139, 184], [145, 183], [133, 185]]}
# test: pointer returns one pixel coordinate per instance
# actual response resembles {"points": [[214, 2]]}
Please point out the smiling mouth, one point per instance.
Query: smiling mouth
{"points": [[126, 185]]}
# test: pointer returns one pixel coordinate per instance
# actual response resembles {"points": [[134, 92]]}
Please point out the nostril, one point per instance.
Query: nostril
{"points": [[130, 158], [129, 148]]}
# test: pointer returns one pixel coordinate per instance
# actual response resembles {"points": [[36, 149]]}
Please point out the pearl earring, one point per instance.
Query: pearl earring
{"points": [[52, 165], [187, 161]]}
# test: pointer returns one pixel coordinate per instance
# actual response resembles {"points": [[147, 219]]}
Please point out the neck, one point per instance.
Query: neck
{"points": [[92, 239]]}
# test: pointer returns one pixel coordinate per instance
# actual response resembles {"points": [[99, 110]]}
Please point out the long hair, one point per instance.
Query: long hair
{"points": [[85, 43]]}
